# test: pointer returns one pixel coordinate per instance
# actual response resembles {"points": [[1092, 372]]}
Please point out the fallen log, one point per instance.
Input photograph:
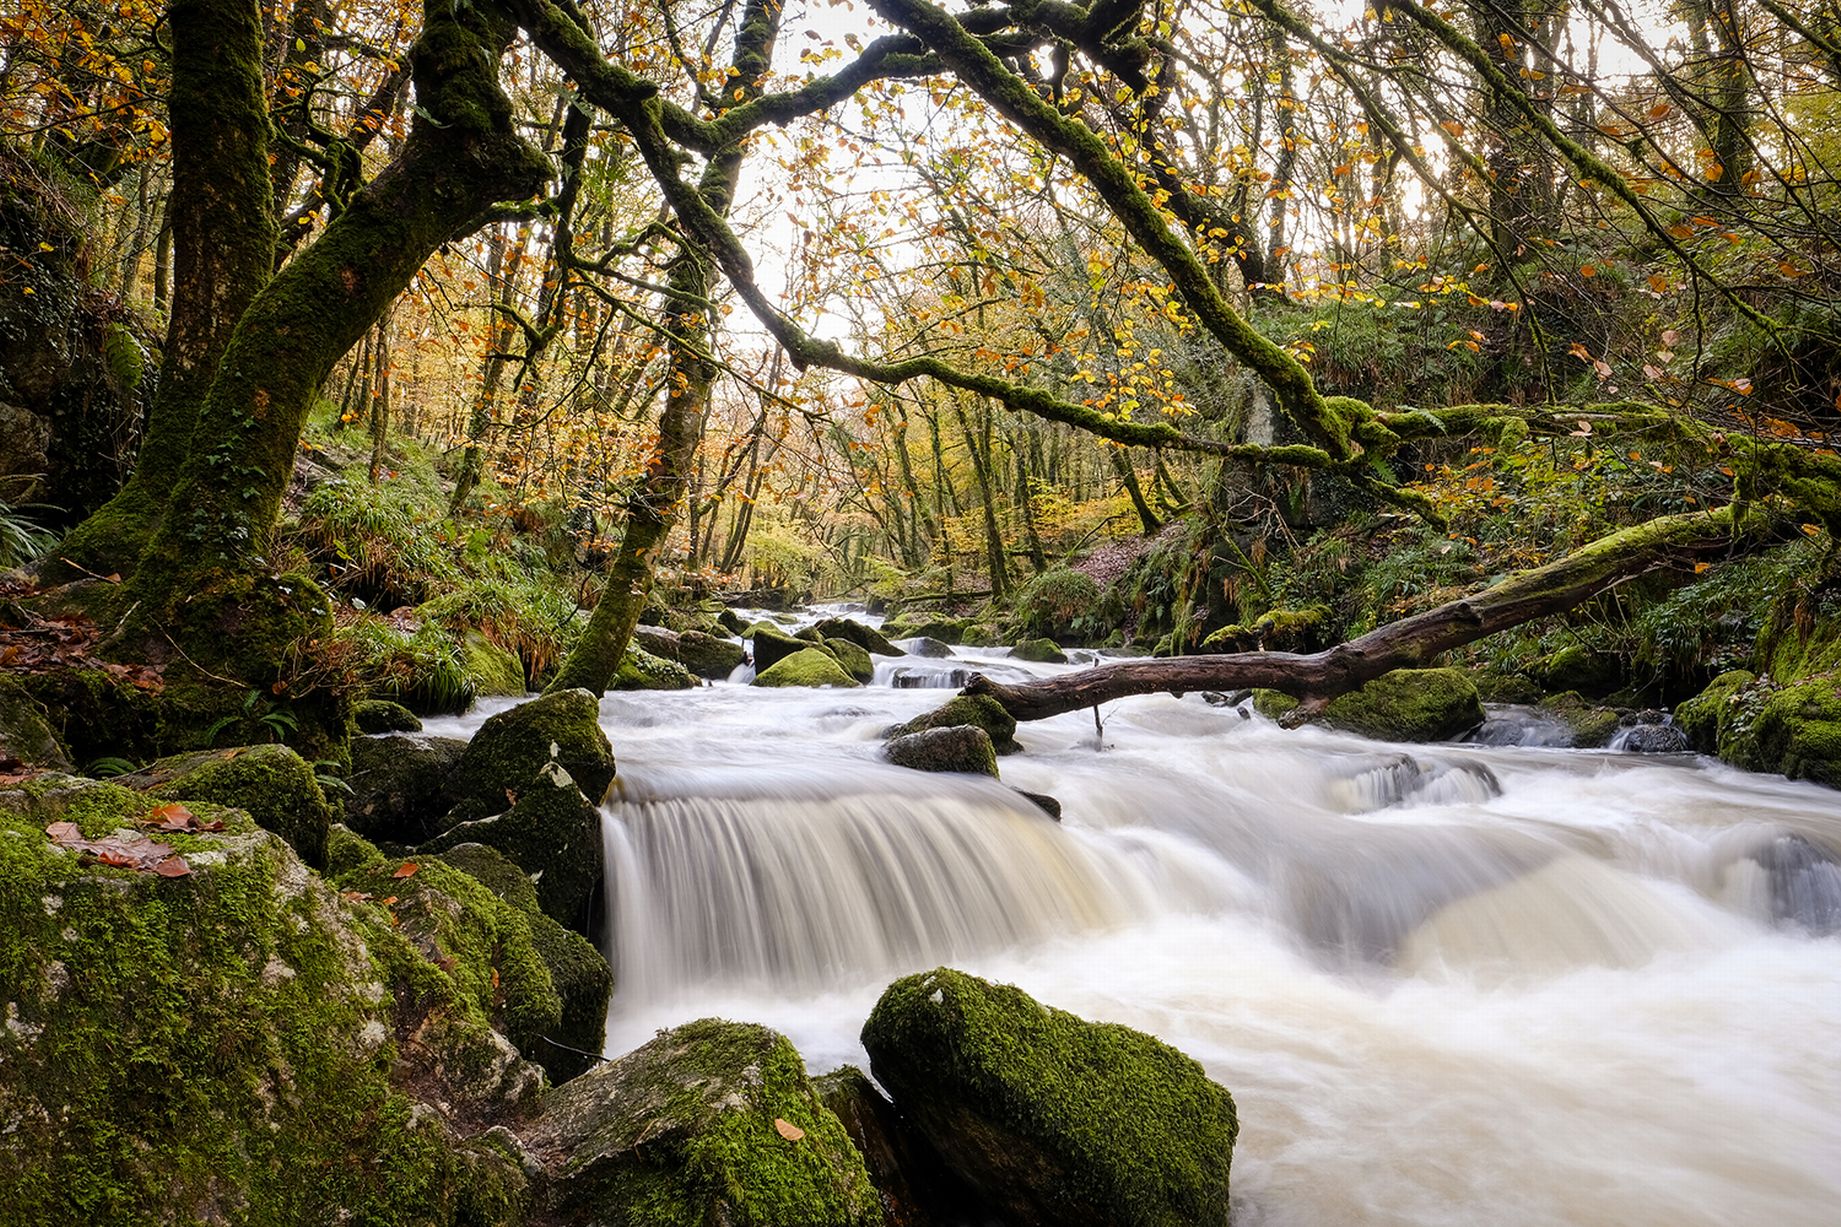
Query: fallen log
{"points": [[1316, 678]]}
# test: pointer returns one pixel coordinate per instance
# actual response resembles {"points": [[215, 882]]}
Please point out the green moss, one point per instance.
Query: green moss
{"points": [[708, 656], [1577, 667], [1712, 717], [553, 833], [684, 1132], [347, 850], [384, 716], [1045, 651], [926, 626], [866, 637], [1057, 604], [484, 945], [489, 668], [978, 710], [1053, 1118], [1592, 726], [772, 645], [221, 1047], [513, 747], [853, 658], [272, 783], [957, 748], [806, 667], [641, 670], [1409, 705], [25, 734]]}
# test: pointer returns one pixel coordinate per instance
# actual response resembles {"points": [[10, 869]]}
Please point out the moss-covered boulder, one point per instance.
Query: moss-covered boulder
{"points": [[483, 943], [807, 667], [1041, 651], [978, 710], [1405, 705], [708, 656], [866, 637], [553, 833], [933, 649], [1794, 730], [1592, 726], [582, 977], [1053, 1119], [710, 1123], [1579, 668], [641, 670], [515, 746], [772, 645], [272, 783], [384, 716], [1716, 711], [402, 785], [853, 658], [235, 1044], [26, 738], [490, 670], [983, 635], [730, 621], [955, 748], [925, 625]]}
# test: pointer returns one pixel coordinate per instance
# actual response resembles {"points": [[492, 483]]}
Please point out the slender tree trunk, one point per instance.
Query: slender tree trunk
{"points": [[380, 401], [1128, 480], [223, 237], [654, 506], [499, 333]]}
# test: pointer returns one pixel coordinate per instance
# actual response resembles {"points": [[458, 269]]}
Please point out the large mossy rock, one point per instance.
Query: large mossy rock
{"points": [[483, 943], [25, 733], [864, 636], [955, 748], [641, 670], [853, 658], [710, 1123], [553, 833], [772, 645], [1053, 1119], [402, 785], [916, 1188], [491, 671], [512, 748], [1040, 651], [978, 710], [384, 716], [708, 656], [1405, 705], [926, 626], [582, 977], [273, 784], [238, 1045], [1754, 724], [1592, 726], [808, 666]]}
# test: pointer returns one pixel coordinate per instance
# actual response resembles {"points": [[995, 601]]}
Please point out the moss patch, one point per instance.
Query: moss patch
{"points": [[1053, 1118], [513, 747], [272, 783], [806, 667], [687, 1131], [978, 710]]}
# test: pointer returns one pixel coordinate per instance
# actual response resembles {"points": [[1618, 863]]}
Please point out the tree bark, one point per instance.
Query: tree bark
{"points": [[654, 506], [1411, 642], [462, 157], [222, 236]]}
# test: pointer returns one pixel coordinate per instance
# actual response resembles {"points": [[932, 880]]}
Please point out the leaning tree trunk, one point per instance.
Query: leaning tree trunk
{"points": [[653, 507], [1413, 641], [223, 240], [462, 157]]}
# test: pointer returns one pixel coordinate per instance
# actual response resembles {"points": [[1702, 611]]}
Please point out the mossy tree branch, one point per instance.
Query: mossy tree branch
{"points": [[1411, 642]]}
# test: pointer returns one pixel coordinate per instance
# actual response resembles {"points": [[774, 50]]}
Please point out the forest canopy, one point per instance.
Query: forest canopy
{"points": [[902, 299]]}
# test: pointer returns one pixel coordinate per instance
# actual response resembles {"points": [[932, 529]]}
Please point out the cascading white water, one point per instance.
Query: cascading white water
{"points": [[1447, 985]]}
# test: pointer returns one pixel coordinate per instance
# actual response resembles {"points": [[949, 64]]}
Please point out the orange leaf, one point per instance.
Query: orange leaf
{"points": [[788, 1130], [406, 870], [173, 867]]}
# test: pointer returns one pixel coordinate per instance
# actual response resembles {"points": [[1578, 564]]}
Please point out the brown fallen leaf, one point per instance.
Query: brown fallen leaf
{"points": [[132, 851], [788, 1130], [173, 867], [406, 870]]}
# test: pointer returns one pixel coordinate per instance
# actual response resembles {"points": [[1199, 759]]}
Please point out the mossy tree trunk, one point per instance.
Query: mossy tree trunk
{"points": [[222, 227], [461, 158], [653, 507]]}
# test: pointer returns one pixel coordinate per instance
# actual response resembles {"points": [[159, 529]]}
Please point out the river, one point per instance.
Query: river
{"points": [[1452, 984]]}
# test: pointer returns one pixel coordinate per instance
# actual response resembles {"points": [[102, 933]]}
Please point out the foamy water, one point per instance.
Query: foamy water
{"points": [[1449, 984]]}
